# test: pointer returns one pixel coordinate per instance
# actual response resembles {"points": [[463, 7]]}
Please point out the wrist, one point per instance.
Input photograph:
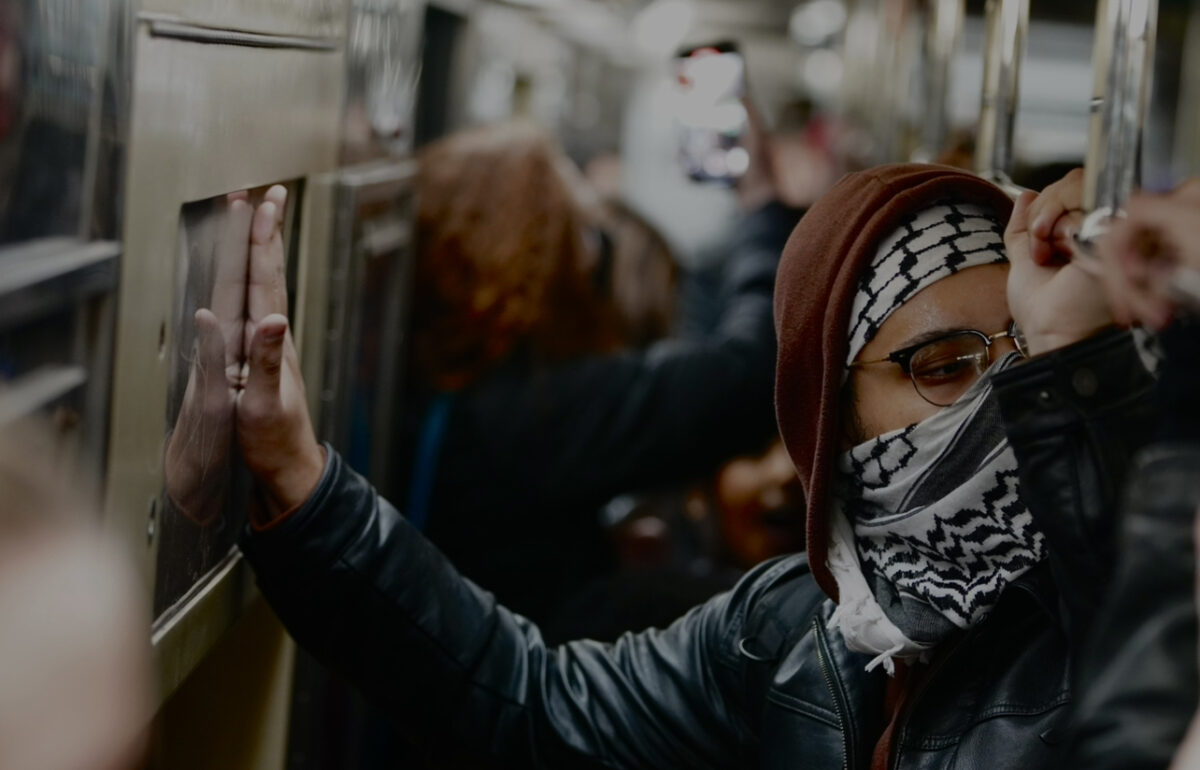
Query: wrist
{"points": [[1049, 341], [292, 485]]}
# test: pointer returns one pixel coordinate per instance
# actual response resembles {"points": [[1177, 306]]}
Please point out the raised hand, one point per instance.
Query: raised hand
{"points": [[1144, 253], [1054, 300], [273, 425]]}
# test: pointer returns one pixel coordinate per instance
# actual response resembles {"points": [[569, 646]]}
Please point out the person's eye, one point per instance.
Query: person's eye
{"points": [[946, 368]]}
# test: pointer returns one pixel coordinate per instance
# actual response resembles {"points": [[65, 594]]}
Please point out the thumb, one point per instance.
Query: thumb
{"points": [[266, 359]]}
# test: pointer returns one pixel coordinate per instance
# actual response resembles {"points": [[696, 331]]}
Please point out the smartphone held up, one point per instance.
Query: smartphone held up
{"points": [[712, 119]]}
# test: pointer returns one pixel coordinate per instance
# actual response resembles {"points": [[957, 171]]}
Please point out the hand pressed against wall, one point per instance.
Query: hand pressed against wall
{"points": [[273, 425], [244, 375]]}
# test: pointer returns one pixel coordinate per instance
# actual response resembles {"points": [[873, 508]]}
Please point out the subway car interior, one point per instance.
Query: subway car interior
{"points": [[599, 383]]}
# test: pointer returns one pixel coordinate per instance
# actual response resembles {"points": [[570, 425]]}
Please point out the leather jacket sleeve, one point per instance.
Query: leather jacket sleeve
{"points": [[1075, 418], [1141, 670], [472, 682]]}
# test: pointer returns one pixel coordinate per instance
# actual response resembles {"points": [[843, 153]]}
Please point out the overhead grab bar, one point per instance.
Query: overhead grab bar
{"points": [[1007, 25], [943, 29], [1122, 61]]}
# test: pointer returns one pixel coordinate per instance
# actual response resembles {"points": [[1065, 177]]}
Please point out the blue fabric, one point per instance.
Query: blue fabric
{"points": [[429, 447]]}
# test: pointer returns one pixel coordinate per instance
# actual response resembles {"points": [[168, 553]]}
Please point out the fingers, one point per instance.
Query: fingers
{"points": [[267, 290], [1064, 195], [229, 285], [1113, 276], [1171, 221], [1016, 234], [1056, 201], [1189, 190], [266, 355]]}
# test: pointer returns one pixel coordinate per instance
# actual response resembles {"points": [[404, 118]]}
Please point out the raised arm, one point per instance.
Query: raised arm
{"points": [[469, 680], [360, 588]]}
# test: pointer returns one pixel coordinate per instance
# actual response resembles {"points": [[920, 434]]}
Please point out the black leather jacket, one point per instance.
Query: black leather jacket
{"points": [[750, 679], [1143, 686]]}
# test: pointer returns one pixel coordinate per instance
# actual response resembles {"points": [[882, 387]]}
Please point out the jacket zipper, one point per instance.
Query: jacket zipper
{"points": [[911, 706], [839, 699]]}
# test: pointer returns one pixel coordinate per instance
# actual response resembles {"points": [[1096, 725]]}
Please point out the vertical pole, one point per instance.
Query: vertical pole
{"points": [[1004, 47], [942, 32], [1123, 60]]}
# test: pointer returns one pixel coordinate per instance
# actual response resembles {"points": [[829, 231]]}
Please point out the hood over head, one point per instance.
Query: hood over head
{"points": [[814, 292]]}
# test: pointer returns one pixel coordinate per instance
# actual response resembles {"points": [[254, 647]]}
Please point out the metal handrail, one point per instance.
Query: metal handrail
{"points": [[1007, 23], [1122, 61]]}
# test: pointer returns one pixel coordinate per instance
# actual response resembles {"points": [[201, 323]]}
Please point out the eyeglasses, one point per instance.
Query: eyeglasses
{"points": [[942, 369]]}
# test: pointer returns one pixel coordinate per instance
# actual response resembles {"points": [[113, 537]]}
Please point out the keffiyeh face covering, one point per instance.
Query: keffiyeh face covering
{"points": [[928, 526]]}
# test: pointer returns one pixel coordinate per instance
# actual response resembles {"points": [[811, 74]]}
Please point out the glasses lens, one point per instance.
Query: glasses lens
{"points": [[944, 369]]}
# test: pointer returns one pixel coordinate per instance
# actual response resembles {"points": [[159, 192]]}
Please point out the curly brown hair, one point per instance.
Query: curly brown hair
{"points": [[502, 266]]}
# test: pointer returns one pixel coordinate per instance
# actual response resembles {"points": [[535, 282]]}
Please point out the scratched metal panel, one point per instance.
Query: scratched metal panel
{"points": [[208, 119], [51, 57], [316, 18]]}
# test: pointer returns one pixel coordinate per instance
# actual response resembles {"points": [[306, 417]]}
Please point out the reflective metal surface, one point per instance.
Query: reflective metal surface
{"points": [[943, 29], [51, 56], [207, 119], [314, 18], [1123, 61], [370, 283], [206, 487], [383, 68], [1004, 48], [56, 324]]}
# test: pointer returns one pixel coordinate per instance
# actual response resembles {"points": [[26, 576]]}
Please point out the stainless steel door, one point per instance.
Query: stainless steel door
{"points": [[227, 97]]}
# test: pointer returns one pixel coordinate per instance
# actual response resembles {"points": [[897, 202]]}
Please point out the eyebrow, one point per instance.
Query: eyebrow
{"points": [[930, 336]]}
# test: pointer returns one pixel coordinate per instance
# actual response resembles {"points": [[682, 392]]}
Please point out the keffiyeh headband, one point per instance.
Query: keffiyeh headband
{"points": [[928, 246]]}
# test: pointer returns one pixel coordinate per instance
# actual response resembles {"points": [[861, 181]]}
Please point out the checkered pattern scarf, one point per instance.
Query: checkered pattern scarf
{"points": [[927, 526], [928, 246]]}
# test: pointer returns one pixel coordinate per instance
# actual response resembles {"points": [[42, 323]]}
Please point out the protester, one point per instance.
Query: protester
{"points": [[894, 285]]}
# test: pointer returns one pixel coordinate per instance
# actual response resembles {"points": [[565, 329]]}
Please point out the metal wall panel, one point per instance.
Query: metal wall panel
{"points": [[51, 63], [207, 120], [315, 18]]}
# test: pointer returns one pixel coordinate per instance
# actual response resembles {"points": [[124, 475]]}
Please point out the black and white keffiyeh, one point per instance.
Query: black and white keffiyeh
{"points": [[932, 530], [927, 246], [927, 523]]}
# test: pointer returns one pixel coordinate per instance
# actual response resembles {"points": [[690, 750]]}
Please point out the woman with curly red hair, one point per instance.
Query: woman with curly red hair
{"points": [[530, 404]]}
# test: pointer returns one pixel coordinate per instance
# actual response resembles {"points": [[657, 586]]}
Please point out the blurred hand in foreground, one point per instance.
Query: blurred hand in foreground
{"points": [[1145, 252]]}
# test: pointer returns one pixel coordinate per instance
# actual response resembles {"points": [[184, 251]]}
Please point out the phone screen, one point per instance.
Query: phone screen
{"points": [[712, 119]]}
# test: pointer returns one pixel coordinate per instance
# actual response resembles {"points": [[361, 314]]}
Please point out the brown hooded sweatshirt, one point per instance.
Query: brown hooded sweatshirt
{"points": [[814, 293]]}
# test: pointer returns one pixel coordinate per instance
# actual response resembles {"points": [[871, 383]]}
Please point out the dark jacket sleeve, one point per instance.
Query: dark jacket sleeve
{"points": [[585, 430], [1140, 671], [1075, 418], [369, 597]]}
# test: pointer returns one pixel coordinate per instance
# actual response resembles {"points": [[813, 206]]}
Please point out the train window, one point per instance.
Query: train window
{"points": [[206, 488], [50, 54]]}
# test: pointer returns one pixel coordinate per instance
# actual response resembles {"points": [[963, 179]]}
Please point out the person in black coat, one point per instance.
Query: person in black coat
{"points": [[526, 412]]}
